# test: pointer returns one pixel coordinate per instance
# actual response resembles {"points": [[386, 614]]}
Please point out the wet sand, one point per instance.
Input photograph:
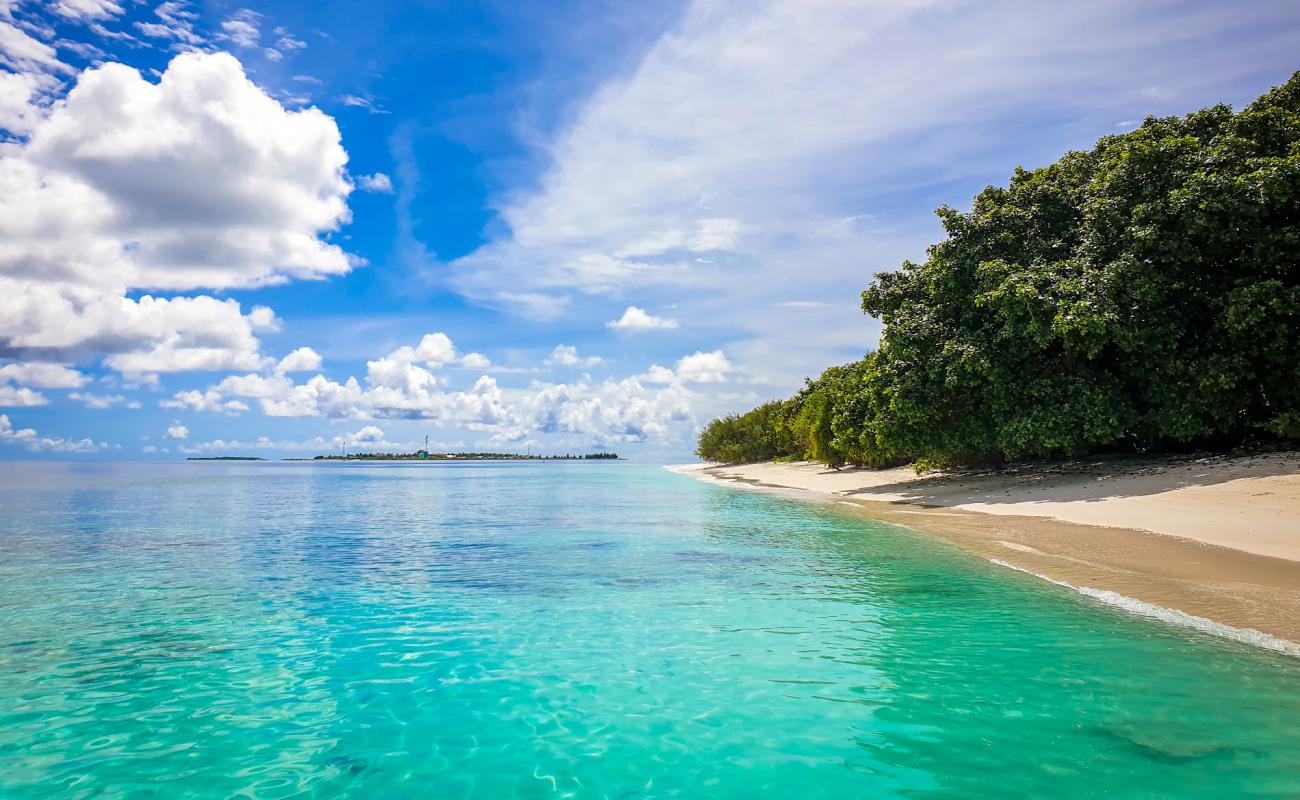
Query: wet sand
{"points": [[1215, 538]]}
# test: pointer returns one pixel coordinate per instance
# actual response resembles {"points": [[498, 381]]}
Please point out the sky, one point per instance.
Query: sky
{"points": [[287, 229]]}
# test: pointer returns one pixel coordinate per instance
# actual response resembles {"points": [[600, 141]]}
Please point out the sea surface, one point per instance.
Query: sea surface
{"points": [[497, 630]]}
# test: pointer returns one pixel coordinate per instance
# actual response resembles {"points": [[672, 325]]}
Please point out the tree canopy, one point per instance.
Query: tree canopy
{"points": [[1143, 295]]}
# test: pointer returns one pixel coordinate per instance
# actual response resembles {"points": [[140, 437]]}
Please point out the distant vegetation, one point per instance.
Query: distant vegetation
{"points": [[420, 456], [1141, 296], [225, 458]]}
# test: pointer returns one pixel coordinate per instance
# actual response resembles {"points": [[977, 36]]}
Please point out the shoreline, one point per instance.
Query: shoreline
{"points": [[1208, 543]]}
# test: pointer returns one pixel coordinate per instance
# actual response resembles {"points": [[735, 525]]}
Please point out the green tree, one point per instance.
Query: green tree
{"points": [[1145, 294]]}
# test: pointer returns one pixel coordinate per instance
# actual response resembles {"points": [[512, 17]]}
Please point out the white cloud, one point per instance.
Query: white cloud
{"points": [[377, 182], [637, 319], [304, 359], [319, 397], [85, 10], [198, 181], [100, 30], [228, 445], [254, 385], [97, 401], [368, 436], [360, 101], [699, 367], [402, 385], [242, 28], [29, 438], [44, 376], [175, 21], [434, 350], [22, 96], [566, 355], [712, 367], [16, 396], [206, 401], [611, 411], [475, 361], [21, 53], [178, 432], [658, 374]]}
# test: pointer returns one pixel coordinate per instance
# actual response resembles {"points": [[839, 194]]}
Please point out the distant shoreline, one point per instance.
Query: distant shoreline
{"points": [[1217, 538], [427, 457]]}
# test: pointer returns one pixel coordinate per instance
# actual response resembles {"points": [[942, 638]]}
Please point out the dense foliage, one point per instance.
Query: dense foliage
{"points": [[1144, 295]]}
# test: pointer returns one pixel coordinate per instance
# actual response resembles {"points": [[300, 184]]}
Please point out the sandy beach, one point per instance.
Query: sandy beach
{"points": [[1216, 538]]}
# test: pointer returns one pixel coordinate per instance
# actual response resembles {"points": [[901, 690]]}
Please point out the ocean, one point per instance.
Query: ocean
{"points": [[608, 629]]}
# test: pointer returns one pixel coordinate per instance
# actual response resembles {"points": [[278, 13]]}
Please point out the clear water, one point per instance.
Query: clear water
{"points": [[589, 630]]}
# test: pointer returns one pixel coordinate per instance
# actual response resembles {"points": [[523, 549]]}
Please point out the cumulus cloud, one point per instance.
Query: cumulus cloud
{"points": [[566, 355], [205, 401], [637, 319], [434, 350], [699, 367], [16, 396], [198, 181], [22, 100], [475, 361], [658, 374], [30, 439], [178, 432], [711, 367], [368, 437], [45, 376], [611, 411], [304, 359], [403, 385]]}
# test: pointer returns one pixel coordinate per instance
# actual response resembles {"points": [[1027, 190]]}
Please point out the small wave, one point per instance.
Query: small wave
{"points": [[1024, 548], [1171, 616]]}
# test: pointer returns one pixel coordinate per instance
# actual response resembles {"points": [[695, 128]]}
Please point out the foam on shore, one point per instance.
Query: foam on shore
{"points": [[1170, 616]]}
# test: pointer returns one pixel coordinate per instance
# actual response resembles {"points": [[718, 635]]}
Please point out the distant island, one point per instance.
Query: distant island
{"points": [[225, 458], [424, 455]]}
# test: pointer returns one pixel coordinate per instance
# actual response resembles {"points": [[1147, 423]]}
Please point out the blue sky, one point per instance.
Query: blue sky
{"points": [[283, 228]]}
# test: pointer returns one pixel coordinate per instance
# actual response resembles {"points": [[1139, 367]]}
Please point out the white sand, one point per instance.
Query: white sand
{"points": [[1250, 504]]}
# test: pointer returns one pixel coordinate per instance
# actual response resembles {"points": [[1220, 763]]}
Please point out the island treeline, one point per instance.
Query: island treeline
{"points": [[1140, 296]]}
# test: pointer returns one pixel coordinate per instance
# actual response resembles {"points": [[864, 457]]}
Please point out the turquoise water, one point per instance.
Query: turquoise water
{"points": [[589, 630]]}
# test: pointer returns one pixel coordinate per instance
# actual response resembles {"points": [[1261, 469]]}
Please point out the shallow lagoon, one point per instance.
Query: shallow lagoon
{"points": [[608, 629]]}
